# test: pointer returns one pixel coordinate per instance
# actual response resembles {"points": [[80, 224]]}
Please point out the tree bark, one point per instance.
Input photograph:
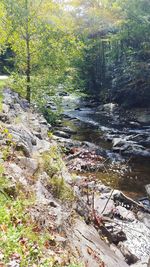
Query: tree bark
{"points": [[28, 57], [28, 71]]}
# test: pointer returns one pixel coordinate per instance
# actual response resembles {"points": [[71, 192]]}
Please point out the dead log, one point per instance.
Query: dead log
{"points": [[129, 202]]}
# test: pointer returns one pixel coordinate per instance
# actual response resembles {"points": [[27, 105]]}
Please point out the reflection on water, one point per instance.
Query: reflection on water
{"points": [[92, 122]]}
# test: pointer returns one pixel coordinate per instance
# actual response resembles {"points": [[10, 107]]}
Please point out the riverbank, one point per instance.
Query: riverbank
{"points": [[68, 219]]}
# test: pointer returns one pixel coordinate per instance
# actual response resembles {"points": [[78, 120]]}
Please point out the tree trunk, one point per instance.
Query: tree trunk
{"points": [[28, 57], [28, 71]]}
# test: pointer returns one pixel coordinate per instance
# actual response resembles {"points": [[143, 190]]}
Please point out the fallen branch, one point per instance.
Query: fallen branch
{"points": [[130, 201], [73, 156]]}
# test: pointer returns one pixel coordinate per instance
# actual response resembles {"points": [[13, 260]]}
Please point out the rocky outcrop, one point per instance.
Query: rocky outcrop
{"points": [[91, 250], [105, 235]]}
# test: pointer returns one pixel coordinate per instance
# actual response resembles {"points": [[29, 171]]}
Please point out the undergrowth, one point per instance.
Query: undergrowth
{"points": [[53, 165], [22, 243]]}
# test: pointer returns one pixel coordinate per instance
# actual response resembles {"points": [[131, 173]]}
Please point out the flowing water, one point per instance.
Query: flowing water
{"points": [[107, 126]]}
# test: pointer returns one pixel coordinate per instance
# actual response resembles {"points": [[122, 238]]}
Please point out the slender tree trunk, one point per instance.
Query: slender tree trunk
{"points": [[28, 71], [28, 57]]}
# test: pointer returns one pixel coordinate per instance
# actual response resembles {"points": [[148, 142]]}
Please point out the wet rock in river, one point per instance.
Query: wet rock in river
{"points": [[68, 130], [138, 238], [146, 202], [62, 134], [134, 123], [144, 217], [124, 214], [129, 257], [147, 187], [144, 263]]}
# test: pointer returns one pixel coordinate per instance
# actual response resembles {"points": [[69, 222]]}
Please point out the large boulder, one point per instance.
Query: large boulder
{"points": [[87, 244], [23, 138]]}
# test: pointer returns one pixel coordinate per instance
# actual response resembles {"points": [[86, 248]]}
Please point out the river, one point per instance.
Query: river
{"points": [[124, 135]]}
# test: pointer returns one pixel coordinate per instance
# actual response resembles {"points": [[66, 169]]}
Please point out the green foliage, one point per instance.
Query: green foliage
{"points": [[52, 164], [50, 134], [43, 43], [3, 181], [10, 144], [115, 61], [60, 189]]}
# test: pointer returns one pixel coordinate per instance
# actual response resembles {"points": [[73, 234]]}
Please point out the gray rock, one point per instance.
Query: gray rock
{"points": [[147, 187], [23, 138], [144, 217], [16, 173], [125, 214], [18, 108], [4, 117], [118, 141], [103, 188], [49, 126], [86, 244], [5, 108], [109, 107], [138, 238], [29, 164], [42, 146], [100, 205], [68, 130], [117, 251], [66, 175], [143, 263], [130, 258], [43, 121], [62, 134], [134, 123], [60, 239]]}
